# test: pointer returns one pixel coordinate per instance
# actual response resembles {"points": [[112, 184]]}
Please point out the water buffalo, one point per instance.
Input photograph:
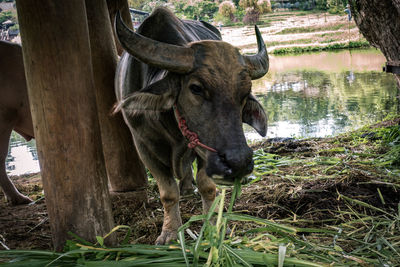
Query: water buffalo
{"points": [[14, 111], [184, 94]]}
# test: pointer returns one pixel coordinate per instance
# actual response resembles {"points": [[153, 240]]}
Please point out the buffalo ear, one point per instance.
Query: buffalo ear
{"points": [[254, 115], [158, 96]]}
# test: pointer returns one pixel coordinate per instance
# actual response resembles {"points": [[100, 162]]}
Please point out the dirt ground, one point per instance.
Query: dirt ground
{"points": [[304, 191]]}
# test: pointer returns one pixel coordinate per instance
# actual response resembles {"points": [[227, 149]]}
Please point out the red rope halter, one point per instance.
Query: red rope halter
{"points": [[191, 136]]}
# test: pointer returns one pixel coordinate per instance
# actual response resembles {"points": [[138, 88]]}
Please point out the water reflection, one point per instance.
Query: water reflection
{"points": [[322, 94], [22, 156]]}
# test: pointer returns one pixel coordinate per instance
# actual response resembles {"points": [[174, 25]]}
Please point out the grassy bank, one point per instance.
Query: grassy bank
{"points": [[317, 48], [314, 202], [334, 27]]}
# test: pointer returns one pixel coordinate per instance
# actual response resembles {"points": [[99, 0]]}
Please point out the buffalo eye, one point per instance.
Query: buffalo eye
{"points": [[196, 89]]}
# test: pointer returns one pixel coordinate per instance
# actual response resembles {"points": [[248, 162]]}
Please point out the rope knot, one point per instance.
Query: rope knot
{"points": [[192, 137]]}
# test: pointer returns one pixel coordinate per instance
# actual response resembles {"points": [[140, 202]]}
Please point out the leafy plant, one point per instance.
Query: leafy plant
{"points": [[6, 15], [227, 9], [392, 139], [198, 10]]}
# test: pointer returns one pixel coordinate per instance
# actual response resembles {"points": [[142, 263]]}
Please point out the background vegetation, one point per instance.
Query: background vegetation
{"points": [[247, 11]]}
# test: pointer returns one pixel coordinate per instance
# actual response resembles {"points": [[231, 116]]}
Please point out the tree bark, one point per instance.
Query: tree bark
{"points": [[124, 169], [123, 7], [379, 22], [55, 41]]}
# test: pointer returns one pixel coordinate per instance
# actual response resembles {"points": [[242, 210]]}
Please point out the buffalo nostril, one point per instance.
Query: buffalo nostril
{"points": [[228, 172], [222, 157]]}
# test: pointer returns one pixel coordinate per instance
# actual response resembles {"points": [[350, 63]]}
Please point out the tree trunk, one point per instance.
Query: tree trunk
{"points": [[379, 22], [55, 41], [123, 7], [124, 169]]}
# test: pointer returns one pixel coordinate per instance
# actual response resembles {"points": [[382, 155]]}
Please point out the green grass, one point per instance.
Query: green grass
{"points": [[297, 41], [297, 50], [269, 243], [211, 246], [327, 34], [391, 139], [266, 243], [316, 29], [331, 40], [275, 15]]}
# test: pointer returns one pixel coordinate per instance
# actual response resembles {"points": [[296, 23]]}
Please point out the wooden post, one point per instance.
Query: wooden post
{"points": [[123, 7], [55, 41], [124, 168]]}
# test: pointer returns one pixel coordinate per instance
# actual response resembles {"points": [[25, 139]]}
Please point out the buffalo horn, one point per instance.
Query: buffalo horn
{"points": [[170, 57], [258, 64]]}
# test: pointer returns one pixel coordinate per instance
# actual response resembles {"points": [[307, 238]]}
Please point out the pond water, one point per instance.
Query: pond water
{"points": [[22, 156], [324, 94], [308, 95]]}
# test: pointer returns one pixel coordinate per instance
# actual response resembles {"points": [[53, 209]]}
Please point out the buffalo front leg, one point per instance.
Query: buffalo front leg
{"points": [[169, 195], [207, 189], [157, 163], [8, 187]]}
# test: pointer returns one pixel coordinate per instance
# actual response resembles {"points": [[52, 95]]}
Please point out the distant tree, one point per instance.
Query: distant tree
{"points": [[196, 9], [254, 8], [150, 5], [236, 2], [262, 6], [336, 6], [227, 9], [252, 16], [321, 4], [137, 4], [7, 15], [333, 6], [207, 9]]}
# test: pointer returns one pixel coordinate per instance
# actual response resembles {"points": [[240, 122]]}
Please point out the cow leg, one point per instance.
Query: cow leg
{"points": [[207, 188], [169, 195], [186, 184], [8, 187]]}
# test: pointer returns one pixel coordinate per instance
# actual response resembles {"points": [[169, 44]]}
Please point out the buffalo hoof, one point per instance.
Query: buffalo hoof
{"points": [[20, 200], [166, 237]]}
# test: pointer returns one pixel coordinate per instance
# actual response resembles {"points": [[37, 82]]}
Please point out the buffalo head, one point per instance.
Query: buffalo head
{"points": [[209, 81]]}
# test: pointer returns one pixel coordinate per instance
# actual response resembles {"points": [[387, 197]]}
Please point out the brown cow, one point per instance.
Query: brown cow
{"points": [[179, 85], [14, 111]]}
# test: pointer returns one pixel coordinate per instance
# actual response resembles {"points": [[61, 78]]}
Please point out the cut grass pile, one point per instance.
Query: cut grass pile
{"points": [[314, 202]]}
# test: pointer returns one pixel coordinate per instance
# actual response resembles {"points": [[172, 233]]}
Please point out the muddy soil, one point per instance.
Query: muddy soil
{"points": [[301, 192]]}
